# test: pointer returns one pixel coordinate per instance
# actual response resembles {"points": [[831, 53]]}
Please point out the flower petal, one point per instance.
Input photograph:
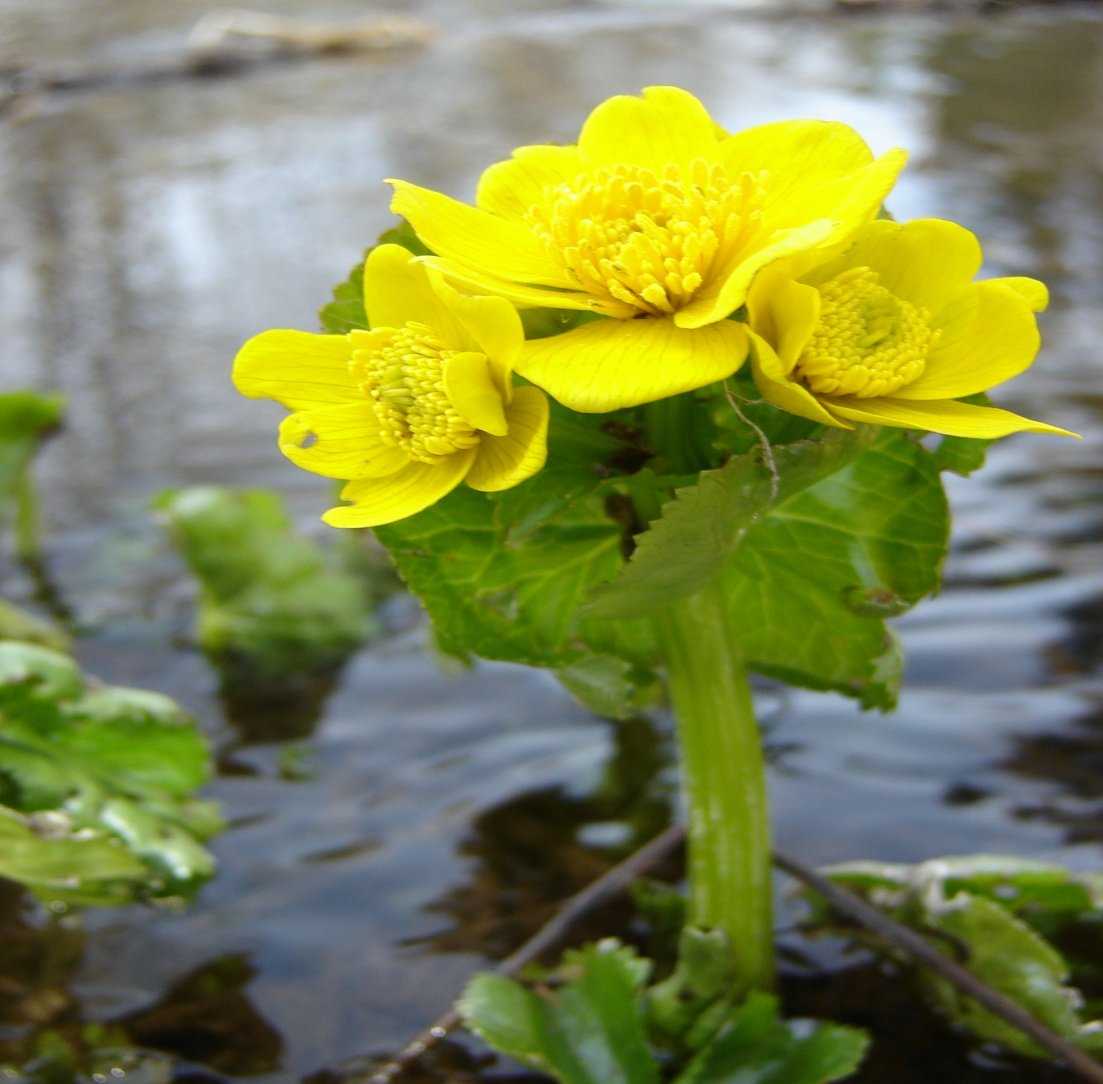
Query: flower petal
{"points": [[512, 188], [491, 323], [943, 416], [296, 368], [473, 392], [772, 381], [525, 297], [339, 442], [988, 335], [1033, 292], [473, 237], [502, 462], [410, 490], [609, 364], [788, 148], [724, 293], [666, 125], [926, 261], [397, 291]]}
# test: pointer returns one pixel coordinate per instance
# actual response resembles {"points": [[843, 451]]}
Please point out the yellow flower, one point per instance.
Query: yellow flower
{"points": [[410, 409], [657, 220], [894, 331]]}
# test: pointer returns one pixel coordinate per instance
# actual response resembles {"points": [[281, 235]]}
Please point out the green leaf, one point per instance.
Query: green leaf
{"points": [[25, 419], [271, 602], [757, 1047], [1009, 956], [704, 525], [990, 911], [609, 686], [18, 624], [961, 455], [704, 973], [590, 1032], [346, 311], [504, 575], [814, 581], [105, 768]]}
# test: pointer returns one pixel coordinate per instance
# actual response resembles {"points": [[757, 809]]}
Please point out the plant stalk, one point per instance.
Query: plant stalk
{"points": [[730, 886]]}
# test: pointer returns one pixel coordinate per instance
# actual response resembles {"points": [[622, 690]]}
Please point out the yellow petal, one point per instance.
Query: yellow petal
{"points": [[943, 416], [666, 125], [771, 380], [473, 393], [987, 335], [502, 462], [475, 238], [492, 325], [397, 290], [410, 490], [926, 261], [787, 149], [609, 364], [525, 297], [512, 188], [339, 442], [724, 293], [1033, 292], [296, 368], [796, 311]]}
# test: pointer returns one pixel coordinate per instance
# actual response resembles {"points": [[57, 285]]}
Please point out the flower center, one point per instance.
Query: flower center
{"points": [[404, 378], [868, 341], [648, 240]]}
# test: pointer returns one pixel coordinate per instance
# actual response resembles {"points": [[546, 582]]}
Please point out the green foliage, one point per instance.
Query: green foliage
{"points": [[592, 1032], [595, 1028], [96, 785], [18, 624], [504, 575], [757, 1047], [25, 419], [271, 603], [991, 910]]}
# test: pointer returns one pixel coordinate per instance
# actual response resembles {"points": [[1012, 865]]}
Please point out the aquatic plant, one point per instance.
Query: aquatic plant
{"points": [[697, 518]]}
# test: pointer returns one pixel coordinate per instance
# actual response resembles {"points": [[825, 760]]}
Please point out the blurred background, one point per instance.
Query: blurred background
{"points": [[175, 176]]}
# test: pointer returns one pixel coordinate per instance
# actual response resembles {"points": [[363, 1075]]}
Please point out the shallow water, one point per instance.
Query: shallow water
{"points": [[432, 818]]}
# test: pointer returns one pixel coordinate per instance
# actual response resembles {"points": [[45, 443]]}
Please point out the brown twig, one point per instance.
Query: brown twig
{"points": [[552, 933], [843, 900], [922, 951]]}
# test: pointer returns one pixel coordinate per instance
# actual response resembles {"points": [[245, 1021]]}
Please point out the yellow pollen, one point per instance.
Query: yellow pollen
{"points": [[648, 240], [404, 378], [868, 342]]}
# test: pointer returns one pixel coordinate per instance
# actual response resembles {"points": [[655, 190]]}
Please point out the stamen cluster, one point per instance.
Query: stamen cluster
{"points": [[649, 240], [405, 381], [868, 342]]}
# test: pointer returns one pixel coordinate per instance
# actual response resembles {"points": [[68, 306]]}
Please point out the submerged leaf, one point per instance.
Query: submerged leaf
{"points": [[991, 910], [96, 785], [271, 604]]}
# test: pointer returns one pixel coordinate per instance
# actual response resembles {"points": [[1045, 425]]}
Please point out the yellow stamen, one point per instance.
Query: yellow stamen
{"points": [[404, 378], [648, 240], [868, 342]]}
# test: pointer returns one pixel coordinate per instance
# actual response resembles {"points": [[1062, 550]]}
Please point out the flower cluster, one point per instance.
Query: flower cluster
{"points": [[693, 249]]}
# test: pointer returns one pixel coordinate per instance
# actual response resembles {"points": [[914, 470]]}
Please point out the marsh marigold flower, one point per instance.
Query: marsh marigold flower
{"points": [[408, 410], [894, 331], [657, 220]]}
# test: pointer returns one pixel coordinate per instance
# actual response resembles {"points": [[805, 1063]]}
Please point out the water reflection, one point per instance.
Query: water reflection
{"points": [[438, 817]]}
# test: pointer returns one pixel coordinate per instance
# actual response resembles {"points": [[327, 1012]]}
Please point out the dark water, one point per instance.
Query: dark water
{"points": [[414, 823]]}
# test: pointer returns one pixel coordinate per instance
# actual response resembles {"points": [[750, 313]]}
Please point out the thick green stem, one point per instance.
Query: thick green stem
{"points": [[724, 781]]}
